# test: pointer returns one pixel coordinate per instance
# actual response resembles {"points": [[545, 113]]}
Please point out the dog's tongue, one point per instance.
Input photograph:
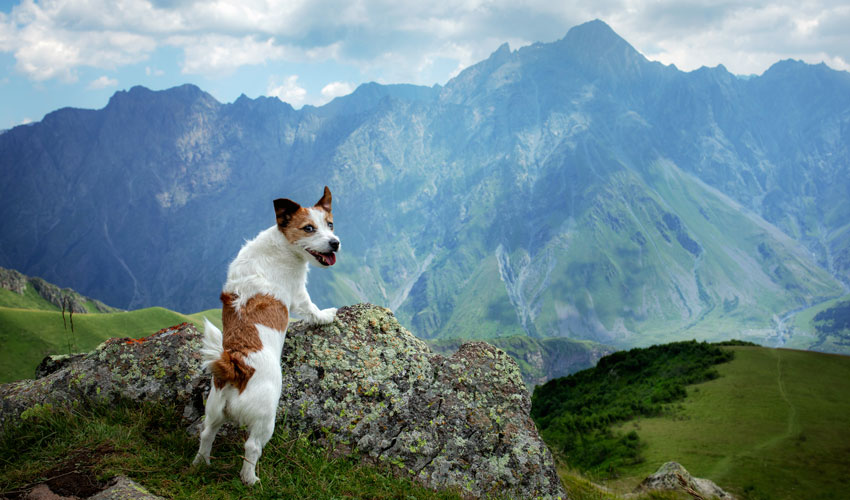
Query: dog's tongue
{"points": [[330, 258]]}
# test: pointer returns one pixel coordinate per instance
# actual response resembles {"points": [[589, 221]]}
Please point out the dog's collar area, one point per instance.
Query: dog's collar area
{"points": [[325, 259]]}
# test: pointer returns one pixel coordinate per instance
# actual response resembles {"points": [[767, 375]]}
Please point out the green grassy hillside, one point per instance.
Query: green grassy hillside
{"points": [[27, 336], [24, 292], [32, 327], [772, 424], [575, 413], [30, 299], [775, 424]]}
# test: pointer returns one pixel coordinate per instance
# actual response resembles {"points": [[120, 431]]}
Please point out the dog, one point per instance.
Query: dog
{"points": [[266, 280]]}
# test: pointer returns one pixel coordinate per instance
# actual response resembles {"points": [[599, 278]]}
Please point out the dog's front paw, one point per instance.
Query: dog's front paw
{"points": [[249, 478], [325, 316]]}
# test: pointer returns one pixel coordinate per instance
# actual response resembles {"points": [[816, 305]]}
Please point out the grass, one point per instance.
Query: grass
{"points": [[575, 413], [775, 424], [150, 445], [30, 299], [214, 315], [27, 336]]}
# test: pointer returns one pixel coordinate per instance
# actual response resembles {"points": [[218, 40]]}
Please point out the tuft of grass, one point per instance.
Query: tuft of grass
{"points": [[150, 445]]}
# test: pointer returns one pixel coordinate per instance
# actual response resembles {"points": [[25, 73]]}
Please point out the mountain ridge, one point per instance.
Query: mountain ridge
{"points": [[610, 184]]}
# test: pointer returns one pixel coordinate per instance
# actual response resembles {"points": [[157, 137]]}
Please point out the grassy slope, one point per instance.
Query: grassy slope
{"points": [[27, 336], [776, 424], [30, 299]]}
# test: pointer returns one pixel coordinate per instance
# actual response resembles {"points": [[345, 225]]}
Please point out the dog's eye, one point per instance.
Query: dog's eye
{"points": [[308, 228], [330, 225]]}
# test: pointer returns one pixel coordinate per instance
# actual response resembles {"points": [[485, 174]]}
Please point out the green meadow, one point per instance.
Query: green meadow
{"points": [[774, 425], [27, 336], [32, 328]]}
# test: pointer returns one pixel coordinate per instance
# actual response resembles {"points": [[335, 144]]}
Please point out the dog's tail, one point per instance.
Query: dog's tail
{"points": [[226, 367], [212, 346]]}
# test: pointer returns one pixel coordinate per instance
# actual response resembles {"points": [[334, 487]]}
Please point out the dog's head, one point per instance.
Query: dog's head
{"points": [[310, 229]]}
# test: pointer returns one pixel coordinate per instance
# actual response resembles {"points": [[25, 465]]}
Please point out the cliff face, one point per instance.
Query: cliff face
{"points": [[363, 384]]}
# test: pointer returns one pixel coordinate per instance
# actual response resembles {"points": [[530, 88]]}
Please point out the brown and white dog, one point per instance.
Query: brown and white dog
{"points": [[266, 281]]}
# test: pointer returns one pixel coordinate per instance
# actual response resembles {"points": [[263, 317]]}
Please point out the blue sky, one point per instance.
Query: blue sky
{"points": [[57, 53]]}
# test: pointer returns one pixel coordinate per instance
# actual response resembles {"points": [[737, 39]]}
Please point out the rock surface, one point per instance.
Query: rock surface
{"points": [[362, 383], [124, 488], [672, 476], [163, 367]]}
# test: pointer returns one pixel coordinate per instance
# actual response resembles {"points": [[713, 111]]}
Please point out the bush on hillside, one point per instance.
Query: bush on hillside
{"points": [[575, 413]]}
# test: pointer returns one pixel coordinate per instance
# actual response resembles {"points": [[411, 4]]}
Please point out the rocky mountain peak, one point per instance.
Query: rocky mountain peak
{"points": [[595, 45]]}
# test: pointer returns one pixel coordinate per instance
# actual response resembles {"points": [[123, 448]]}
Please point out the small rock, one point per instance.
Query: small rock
{"points": [[43, 492], [124, 488], [672, 476]]}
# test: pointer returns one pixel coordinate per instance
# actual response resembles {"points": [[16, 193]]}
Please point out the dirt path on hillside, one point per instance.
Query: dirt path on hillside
{"points": [[791, 429]]}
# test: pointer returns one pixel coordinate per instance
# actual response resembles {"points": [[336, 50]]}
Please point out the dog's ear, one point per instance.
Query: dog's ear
{"points": [[325, 202], [284, 209]]}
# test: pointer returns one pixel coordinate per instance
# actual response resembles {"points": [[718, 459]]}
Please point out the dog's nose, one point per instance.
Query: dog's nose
{"points": [[335, 245]]}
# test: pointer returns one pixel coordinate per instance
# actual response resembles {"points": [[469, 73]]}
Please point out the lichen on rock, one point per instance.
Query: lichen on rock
{"points": [[365, 383]]}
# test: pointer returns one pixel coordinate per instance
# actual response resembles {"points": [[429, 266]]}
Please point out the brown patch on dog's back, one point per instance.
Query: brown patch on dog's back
{"points": [[240, 336]]}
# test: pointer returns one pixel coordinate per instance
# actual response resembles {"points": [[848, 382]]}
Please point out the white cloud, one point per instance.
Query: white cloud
{"points": [[149, 71], [102, 83], [288, 91], [406, 40], [336, 89], [223, 54]]}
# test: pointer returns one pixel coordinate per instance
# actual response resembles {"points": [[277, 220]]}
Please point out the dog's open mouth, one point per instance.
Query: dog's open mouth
{"points": [[325, 259]]}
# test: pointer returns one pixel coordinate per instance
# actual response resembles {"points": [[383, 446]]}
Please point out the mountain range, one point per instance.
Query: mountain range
{"points": [[566, 189]]}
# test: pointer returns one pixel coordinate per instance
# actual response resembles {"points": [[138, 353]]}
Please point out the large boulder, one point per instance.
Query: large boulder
{"points": [[361, 384]]}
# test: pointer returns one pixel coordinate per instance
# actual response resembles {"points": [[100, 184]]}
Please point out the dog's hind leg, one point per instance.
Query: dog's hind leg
{"points": [[214, 417], [260, 433]]}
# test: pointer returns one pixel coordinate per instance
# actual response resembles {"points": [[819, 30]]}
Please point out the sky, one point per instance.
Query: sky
{"points": [[58, 53]]}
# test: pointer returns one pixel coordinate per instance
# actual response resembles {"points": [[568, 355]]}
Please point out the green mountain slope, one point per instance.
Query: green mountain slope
{"points": [[27, 336], [23, 292], [33, 326], [773, 424]]}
